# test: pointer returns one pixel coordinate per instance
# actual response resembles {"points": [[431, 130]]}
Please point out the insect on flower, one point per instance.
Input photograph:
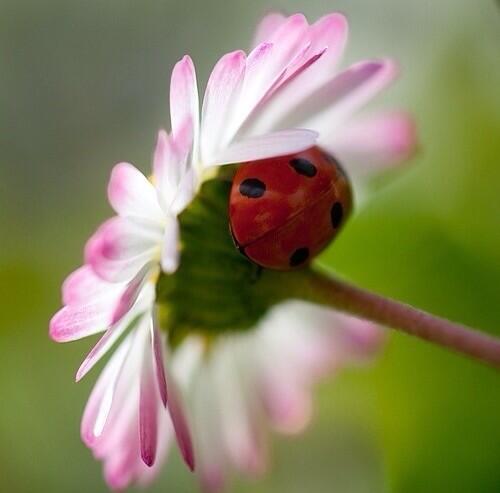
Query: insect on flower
{"points": [[283, 211], [206, 352]]}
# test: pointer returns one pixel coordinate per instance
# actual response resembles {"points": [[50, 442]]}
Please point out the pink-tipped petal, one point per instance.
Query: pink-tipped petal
{"points": [[329, 104], [184, 96], [357, 340], [101, 398], [349, 91], [268, 26], [174, 174], [161, 378], [331, 31], [290, 35], [147, 475], [219, 104], [267, 68], [373, 143], [259, 77], [132, 292], [181, 427], [74, 322], [269, 145], [288, 405], [131, 194], [148, 409], [212, 478], [82, 286], [121, 247], [167, 166], [266, 89], [101, 348]]}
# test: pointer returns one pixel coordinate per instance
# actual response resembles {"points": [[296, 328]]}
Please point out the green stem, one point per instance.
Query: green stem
{"points": [[345, 297]]}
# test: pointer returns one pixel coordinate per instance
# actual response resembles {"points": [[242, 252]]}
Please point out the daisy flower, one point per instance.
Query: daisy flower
{"points": [[229, 356]]}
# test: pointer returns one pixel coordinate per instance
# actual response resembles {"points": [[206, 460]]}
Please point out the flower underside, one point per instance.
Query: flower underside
{"points": [[216, 289]]}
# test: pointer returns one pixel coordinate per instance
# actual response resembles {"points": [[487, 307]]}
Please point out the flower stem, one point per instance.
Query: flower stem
{"points": [[333, 292]]}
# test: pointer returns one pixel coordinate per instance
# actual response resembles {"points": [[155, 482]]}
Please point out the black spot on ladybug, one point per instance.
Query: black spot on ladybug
{"points": [[299, 257], [252, 188], [336, 214], [303, 167]]}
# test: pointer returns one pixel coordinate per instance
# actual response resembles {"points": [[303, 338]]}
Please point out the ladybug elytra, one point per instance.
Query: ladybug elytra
{"points": [[284, 210]]}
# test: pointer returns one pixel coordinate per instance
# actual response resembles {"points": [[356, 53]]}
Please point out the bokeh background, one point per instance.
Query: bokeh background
{"points": [[84, 84]]}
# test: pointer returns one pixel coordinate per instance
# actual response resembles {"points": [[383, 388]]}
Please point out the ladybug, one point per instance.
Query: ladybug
{"points": [[284, 210]]}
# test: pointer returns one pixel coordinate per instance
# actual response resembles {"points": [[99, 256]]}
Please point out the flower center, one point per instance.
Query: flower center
{"points": [[216, 289]]}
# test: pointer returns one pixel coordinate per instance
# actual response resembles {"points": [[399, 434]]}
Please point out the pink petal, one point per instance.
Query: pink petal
{"points": [[120, 423], [101, 398], [219, 103], [131, 194], [264, 146], [174, 175], [259, 77], [288, 404], [212, 478], [82, 286], [131, 293], [148, 409], [259, 87], [184, 96], [374, 142], [273, 61], [351, 90], [291, 36], [181, 428], [121, 247], [268, 27], [357, 340], [159, 362], [146, 475], [331, 31], [101, 348], [121, 466], [327, 105], [328, 39], [74, 322]]}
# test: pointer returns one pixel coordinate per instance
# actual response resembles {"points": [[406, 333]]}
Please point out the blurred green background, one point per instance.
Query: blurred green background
{"points": [[84, 84]]}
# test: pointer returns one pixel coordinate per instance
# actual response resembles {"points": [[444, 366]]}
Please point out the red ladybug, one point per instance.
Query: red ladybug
{"points": [[284, 210]]}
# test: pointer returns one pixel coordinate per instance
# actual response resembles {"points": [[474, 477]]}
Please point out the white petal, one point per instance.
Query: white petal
{"points": [[170, 247], [219, 103], [126, 312], [100, 399], [372, 143], [332, 102], [240, 411], [131, 194], [121, 247], [273, 144], [175, 177], [184, 104]]}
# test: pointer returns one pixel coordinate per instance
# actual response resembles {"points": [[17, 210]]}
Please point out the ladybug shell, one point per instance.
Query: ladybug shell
{"points": [[284, 210]]}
